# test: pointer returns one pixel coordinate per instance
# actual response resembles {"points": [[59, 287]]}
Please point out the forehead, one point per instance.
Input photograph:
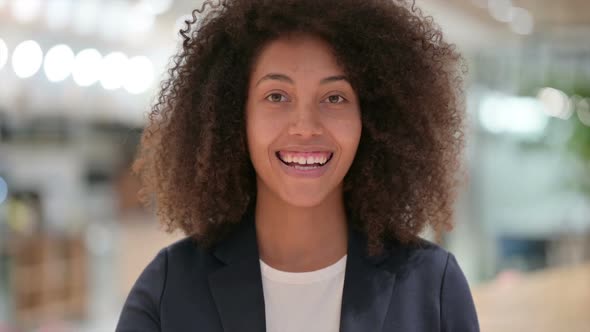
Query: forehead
{"points": [[296, 54]]}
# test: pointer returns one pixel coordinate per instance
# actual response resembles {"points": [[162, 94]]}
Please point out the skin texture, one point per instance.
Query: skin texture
{"points": [[199, 169], [301, 222]]}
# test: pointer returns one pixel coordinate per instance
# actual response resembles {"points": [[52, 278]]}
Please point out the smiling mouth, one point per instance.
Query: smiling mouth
{"points": [[305, 160]]}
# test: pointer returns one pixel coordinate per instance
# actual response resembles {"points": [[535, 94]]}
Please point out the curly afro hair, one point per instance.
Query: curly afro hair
{"points": [[193, 158]]}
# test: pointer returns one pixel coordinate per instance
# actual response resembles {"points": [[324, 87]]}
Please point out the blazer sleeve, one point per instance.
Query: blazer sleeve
{"points": [[141, 311], [457, 308]]}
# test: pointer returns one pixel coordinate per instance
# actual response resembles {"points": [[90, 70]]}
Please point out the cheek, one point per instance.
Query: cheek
{"points": [[261, 131], [347, 133]]}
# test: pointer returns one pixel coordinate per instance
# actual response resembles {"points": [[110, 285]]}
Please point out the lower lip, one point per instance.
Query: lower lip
{"points": [[304, 173]]}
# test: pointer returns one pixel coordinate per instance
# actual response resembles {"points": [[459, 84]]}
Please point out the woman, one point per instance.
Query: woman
{"points": [[302, 146]]}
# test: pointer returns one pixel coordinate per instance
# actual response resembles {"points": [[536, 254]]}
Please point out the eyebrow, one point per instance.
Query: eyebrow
{"points": [[287, 79]]}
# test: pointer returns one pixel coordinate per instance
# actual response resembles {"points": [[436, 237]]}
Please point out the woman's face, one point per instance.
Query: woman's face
{"points": [[303, 121]]}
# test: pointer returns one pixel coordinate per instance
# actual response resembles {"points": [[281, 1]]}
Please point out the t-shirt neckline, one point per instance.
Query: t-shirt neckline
{"points": [[327, 272]]}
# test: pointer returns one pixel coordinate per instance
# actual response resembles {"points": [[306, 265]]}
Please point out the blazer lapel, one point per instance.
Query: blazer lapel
{"points": [[367, 289], [237, 287]]}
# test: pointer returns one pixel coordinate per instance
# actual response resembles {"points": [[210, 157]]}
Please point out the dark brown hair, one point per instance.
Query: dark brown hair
{"points": [[193, 157]]}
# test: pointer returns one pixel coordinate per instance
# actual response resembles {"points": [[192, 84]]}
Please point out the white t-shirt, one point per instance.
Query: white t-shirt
{"points": [[303, 301]]}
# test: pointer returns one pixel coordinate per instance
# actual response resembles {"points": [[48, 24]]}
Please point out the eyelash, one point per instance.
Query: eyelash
{"points": [[336, 95], [343, 99], [273, 94]]}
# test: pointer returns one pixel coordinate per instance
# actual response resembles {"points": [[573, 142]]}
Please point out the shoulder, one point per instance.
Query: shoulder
{"points": [[429, 276], [186, 254], [178, 253], [176, 268], [423, 256], [184, 248], [175, 262], [424, 267]]}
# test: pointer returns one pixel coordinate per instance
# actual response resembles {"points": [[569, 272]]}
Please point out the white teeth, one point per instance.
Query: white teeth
{"points": [[301, 160]]}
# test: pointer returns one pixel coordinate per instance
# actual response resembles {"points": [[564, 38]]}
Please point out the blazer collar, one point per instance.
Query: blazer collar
{"points": [[367, 288], [237, 286]]}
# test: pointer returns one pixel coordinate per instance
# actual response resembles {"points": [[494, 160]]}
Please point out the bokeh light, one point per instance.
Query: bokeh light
{"points": [[27, 58], [555, 103], [501, 10], [59, 62], [140, 75], [515, 115], [113, 70], [87, 65], [522, 21]]}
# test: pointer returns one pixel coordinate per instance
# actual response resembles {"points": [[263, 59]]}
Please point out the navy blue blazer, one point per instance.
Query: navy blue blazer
{"points": [[407, 289]]}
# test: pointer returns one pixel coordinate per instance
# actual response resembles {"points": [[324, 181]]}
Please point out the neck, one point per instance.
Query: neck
{"points": [[300, 239]]}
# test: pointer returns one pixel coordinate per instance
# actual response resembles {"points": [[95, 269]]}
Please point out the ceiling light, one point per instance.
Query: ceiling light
{"points": [[59, 62], [140, 75], [114, 66], [27, 58], [87, 66]]}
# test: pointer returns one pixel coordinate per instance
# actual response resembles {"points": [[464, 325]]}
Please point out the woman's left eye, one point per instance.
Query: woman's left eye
{"points": [[335, 99]]}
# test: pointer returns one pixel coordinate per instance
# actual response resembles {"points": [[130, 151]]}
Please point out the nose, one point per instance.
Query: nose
{"points": [[306, 122]]}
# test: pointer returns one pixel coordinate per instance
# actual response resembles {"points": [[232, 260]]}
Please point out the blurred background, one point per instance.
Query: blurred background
{"points": [[78, 76]]}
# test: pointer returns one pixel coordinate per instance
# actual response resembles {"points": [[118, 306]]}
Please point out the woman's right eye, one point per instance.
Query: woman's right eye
{"points": [[275, 97]]}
